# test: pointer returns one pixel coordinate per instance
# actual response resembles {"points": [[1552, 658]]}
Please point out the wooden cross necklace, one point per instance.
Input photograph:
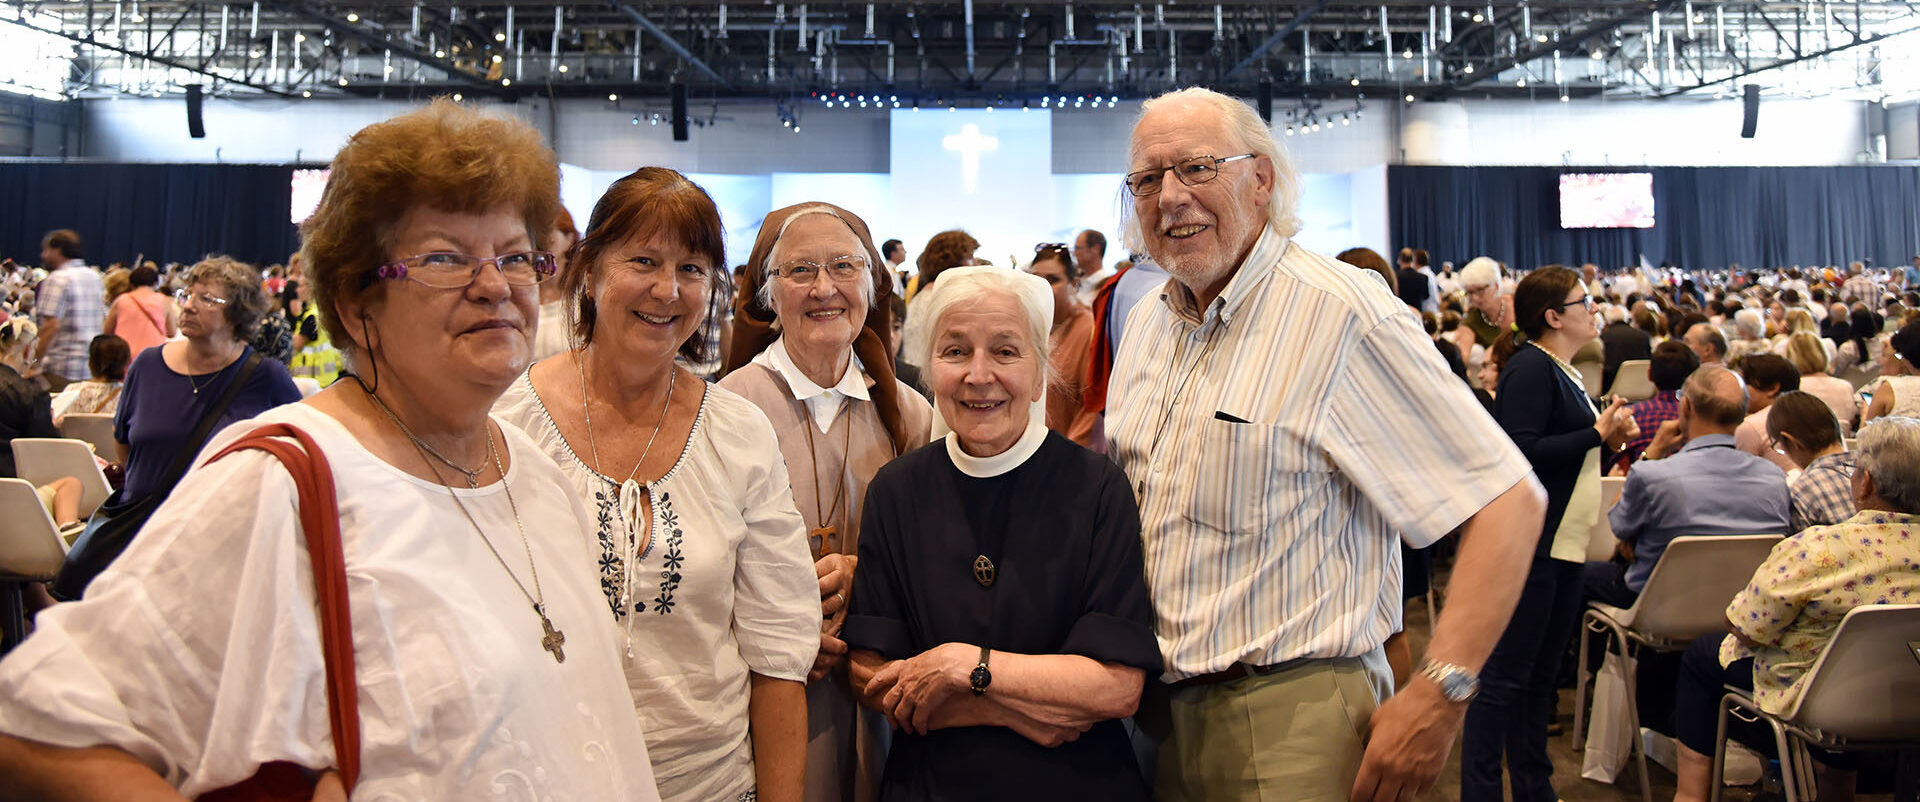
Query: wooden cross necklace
{"points": [[819, 537]]}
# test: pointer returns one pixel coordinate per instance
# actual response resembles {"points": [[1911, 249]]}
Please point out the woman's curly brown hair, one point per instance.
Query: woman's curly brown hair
{"points": [[443, 156], [946, 249]]}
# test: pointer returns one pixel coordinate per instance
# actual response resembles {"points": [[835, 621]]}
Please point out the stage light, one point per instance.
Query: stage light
{"points": [[457, 97], [1346, 120], [499, 37], [1540, 37], [1354, 81], [352, 17], [1564, 98], [1289, 130], [343, 81], [305, 93], [497, 59], [636, 119], [1477, 18], [439, 54], [614, 98], [506, 82], [1522, 83], [1468, 69], [1409, 97], [563, 69], [796, 129]]}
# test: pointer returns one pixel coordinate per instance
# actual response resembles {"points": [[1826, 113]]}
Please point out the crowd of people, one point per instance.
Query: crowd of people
{"points": [[620, 521]]}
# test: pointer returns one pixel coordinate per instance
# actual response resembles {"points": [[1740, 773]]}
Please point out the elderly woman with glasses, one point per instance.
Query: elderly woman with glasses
{"points": [[702, 555], [1001, 620], [812, 348], [169, 388], [1489, 313], [483, 657], [1069, 342]]}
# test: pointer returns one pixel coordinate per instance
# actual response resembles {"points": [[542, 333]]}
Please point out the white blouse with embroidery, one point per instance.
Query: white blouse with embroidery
{"points": [[725, 587]]}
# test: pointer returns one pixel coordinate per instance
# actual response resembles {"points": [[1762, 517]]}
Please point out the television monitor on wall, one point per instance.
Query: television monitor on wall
{"points": [[1606, 200]]}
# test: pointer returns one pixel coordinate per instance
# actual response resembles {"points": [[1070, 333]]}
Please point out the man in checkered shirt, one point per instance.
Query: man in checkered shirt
{"points": [[72, 306]]}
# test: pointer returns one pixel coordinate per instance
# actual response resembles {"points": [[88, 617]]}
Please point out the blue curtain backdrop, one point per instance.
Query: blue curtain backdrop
{"points": [[169, 212], [1705, 217]]}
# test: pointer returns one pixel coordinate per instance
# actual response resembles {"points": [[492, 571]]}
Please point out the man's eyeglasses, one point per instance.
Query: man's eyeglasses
{"points": [[1192, 172], [841, 269], [189, 298], [447, 270]]}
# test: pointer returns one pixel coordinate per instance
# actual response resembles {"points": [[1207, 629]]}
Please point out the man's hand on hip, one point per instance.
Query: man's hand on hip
{"points": [[1408, 739]]}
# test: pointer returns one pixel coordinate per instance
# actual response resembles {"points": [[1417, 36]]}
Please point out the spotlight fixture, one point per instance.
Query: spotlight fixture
{"points": [[1478, 18], [1564, 98], [439, 54], [499, 37], [506, 82], [497, 58], [1468, 70], [305, 93], [1289, 130], [1409, 97], [1522, 83], [343, 80], [613, 98], [1355, 81], [299, 37], [563, 69], [1346, 119], [636, 119], [457, 97]]}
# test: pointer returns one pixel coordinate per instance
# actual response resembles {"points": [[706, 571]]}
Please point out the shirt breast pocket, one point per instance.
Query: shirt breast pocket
{"points": [[1248, 475]]}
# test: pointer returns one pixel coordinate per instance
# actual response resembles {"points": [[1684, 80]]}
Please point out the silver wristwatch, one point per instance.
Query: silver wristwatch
{"points": [[1456, 683]]}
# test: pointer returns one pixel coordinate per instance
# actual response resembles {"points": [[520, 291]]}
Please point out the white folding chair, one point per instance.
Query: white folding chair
{"points": [[1600, 542], [1590, 376], [96, 430], [1684, 598], [41, 460], [30, 551], [1632, 381], [1859, 696]]}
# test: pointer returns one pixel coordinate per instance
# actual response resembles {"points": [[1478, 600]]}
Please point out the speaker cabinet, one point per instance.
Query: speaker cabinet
{"points": [[679, 112], [196, 96], [1750, 111]]}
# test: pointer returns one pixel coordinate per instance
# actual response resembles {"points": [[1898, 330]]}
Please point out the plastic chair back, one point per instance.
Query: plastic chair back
{"points": [[1633, 382], [1688, 592], [41, 460], [1864, 686], [96, 430], [1590, 376], [1601, 543], [30, 548]]}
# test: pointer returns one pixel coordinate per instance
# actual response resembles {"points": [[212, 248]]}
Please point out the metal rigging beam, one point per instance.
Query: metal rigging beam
{"points": [[1568, 43], [361, 34], [89, 41], [1279, 36], [1867, 40], [668, 40]]}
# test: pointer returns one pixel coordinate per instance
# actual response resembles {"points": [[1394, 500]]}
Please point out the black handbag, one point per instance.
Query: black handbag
{"points": [[115, 524]]}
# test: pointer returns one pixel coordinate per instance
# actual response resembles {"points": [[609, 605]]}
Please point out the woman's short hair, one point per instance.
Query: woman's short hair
{"points": [[1806, 417], [1480, 272], [1368, 259], [765, 294], [1541, 290], [239, 283], [1061, 254], [1671, 364], [1906, 343], [1807, 353], [1750, 324], [969, 284], [649, 202], [107, 357], [943, 251], [1770, 371], [143, 276], [1890, 452], [1650, 322], [442, 156]]}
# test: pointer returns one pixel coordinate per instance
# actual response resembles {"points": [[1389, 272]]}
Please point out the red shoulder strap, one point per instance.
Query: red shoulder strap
{"points": [[320, 521]]}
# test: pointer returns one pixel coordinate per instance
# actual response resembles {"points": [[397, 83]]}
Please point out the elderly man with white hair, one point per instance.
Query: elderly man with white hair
{"points": [[1285, 423]]}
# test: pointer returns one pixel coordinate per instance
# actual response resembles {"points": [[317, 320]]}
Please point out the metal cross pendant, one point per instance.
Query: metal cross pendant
{"points": [[553, 639], [983, 571]]}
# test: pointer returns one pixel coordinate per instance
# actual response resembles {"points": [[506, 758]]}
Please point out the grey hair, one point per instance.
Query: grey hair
{"points": [[968, 284], [1890, 452], [765, 294], [1283, 209], [1615, 314], [1751, 325]]}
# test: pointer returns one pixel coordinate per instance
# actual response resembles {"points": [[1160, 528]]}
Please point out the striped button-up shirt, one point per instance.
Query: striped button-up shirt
{"points": [[1277, 441], [76, 295]]}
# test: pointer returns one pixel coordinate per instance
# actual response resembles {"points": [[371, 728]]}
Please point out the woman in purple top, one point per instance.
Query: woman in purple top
{"points": [[170, 387]]}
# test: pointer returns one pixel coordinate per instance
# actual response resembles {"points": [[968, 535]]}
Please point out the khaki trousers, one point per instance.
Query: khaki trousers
{"points": [[1295, 734]]}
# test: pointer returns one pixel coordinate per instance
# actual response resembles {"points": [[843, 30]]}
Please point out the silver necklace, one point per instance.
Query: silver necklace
{"points": [[553, 640], [629, 489], [473, 476]]}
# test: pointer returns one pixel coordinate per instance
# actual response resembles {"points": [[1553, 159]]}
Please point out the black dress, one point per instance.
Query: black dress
{"points": [[1069, 580]]}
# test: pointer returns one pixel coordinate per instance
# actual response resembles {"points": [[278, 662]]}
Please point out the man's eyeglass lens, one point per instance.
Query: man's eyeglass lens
{"points": [[1192, 172]]}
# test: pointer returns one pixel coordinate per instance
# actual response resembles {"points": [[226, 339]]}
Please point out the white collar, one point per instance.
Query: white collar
{"points": [[853, 381], [1015, 456]]}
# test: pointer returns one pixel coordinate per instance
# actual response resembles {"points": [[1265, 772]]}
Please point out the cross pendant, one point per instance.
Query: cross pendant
{"points": [[553, 639]]}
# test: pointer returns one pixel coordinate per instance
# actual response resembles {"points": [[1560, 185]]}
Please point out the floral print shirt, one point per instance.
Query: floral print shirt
{"points": [[1794, 604]]}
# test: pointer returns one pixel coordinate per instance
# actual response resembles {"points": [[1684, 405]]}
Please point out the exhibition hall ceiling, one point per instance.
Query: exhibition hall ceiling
{"points": [[966, 54]]}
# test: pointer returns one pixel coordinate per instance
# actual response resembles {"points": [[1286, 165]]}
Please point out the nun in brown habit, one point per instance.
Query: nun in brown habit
{"points": [[813, 349]]}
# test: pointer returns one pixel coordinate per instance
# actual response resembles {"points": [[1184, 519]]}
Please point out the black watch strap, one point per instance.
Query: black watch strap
{"points": [[981, 676]]}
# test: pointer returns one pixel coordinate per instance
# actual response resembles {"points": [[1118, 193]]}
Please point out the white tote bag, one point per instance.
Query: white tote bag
{"points": [[1609, 729]]}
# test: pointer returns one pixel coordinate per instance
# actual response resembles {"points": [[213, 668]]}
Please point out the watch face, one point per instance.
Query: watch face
{"points": [[980, 679]]}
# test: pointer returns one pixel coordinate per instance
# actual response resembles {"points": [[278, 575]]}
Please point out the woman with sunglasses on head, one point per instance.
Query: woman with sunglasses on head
{"points": [[812, 348], [1068, 343], [702, 556], [170, 387], [1543, 406], [483, 662]]}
